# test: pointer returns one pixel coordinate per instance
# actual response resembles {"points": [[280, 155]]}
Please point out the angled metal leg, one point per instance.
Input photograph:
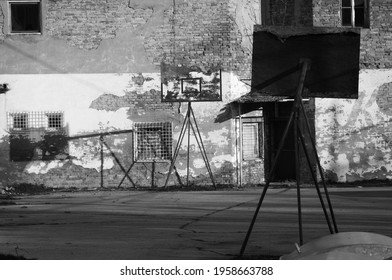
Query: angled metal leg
{"points": [[298, 175], [118, 162], [267, 183], [199, 140], [178, 147], [126, 174], [102, 158], [319, 168], [298, 96], [314, 177]]}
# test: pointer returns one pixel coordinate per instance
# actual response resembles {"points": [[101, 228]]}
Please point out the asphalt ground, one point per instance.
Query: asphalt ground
{"points": [[143, 225]]}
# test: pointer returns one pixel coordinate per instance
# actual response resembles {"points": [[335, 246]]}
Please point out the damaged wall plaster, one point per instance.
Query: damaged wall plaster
{"points": [[85, 43], [355, 136], [97, 110]]}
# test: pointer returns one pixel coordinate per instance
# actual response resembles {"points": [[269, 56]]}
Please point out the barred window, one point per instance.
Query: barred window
{"points": [[55, 120], [153, 141], [35, 120], [37, 136], [19, 121]]}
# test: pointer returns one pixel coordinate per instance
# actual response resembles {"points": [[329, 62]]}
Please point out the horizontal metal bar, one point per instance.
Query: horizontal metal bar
{"points": [[100, 134]]}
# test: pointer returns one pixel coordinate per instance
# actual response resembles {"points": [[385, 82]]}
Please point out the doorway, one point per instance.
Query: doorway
{"points": [[276, 118], [285, 168]]}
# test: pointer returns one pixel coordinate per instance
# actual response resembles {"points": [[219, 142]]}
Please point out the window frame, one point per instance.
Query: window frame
{"points": [[31, 137], [366, 14], [256, 122], [20, 121], [166, 150], [58, 121], [40, 17]]}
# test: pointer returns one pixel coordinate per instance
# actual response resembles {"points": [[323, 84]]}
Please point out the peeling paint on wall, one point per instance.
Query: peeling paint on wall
{"points": [[220, 137], [41, 167], [99, 63], [354, 137], [247, 15], [110, 102]]}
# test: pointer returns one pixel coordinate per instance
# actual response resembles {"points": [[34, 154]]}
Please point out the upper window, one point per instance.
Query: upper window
{"points": [[25, 17], [355, 13]]}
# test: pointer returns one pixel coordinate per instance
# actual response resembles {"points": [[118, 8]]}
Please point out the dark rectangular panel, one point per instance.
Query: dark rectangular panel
{"points": [[333, 52]]}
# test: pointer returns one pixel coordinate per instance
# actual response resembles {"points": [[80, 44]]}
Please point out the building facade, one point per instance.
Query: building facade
{"points": [[84, 90], [353, 135]]}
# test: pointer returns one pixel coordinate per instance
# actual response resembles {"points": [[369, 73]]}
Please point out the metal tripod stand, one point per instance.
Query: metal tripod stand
{"points": [[186, 129], [298, 111]]}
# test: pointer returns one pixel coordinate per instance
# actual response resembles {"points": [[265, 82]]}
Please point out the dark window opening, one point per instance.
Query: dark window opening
{"points": [[55, 121], [25, 17], [355, 13], [19, 121]]}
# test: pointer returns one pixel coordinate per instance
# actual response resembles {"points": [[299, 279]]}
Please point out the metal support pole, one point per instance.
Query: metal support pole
{"points": [[101, 145], [305, 65], [177, 149], [319, 167], [240, 135], [186, 129], [298, 173], [189, 142], [267, 183], [315, 180], [153, 175], [201, 147], [118, 162], [126, 174]]}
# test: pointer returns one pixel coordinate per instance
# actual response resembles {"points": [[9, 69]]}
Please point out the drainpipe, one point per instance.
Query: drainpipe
{"points": [[240, 146], [236, 151]]}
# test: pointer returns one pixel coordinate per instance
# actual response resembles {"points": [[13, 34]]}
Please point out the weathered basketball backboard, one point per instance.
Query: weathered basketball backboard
{"points": [[185, 84], [333, 53]]}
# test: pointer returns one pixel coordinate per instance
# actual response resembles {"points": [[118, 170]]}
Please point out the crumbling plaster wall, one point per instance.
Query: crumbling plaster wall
{"points": [[354, 136], [99, 63], [105, 102]]}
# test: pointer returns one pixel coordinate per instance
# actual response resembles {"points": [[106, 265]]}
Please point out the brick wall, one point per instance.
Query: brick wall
{"points": [[84, 24], [376, 41], [199, 33], [384, 99], [376, 45], [202, 33], [326, 13], [291, 13], [2, 36]]}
